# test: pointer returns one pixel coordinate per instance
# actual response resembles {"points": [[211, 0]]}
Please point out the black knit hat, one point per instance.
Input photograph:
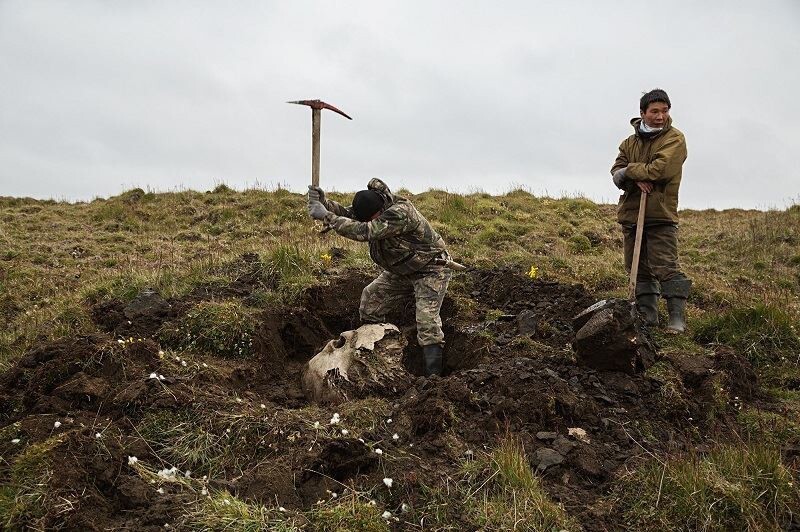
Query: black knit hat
{"points": [[655, 95], [365, 204]]}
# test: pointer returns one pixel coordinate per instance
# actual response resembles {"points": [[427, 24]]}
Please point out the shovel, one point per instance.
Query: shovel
{"points": [[584, 316], [637, 251], [608, 335]]}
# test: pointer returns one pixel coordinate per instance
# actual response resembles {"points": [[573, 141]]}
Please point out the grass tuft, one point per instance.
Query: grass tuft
{"points": [[22, 500], [225, 328], [222, 511], [499, 491], [764, 332], [730, 488]]}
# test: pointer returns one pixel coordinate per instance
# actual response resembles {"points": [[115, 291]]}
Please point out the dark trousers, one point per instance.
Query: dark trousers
{"points": [[658, 260]]}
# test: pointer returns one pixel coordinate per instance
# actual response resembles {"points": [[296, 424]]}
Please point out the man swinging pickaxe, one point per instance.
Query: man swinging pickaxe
{"points": [[316, 119]]}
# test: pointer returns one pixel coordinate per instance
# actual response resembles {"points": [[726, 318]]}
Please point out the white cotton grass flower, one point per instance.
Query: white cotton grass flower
{"points": [[405, 508], [204, 491], [160, 491], [98, 435], [183, 363], [387, 514], [187, 474], [335, 418], [378, 451], [168, 473], [132, 460], [153, 375], [281, 509], [388, 482], [373, 502], [395, 436], [345, 432], [56, 424], [205, 365], [389, 421], [316, 424], [15, 440], [263, 405], [160, 377]]}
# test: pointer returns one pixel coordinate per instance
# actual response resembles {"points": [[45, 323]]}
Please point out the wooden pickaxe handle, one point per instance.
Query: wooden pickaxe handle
{"points": [[316, 125], [316, 119]]}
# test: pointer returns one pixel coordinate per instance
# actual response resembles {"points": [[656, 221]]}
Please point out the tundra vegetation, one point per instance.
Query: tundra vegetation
{"points": [[226, 259]]}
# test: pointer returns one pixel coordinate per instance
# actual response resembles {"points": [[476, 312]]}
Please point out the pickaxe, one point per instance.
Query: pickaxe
{"points": [[316, 118]]}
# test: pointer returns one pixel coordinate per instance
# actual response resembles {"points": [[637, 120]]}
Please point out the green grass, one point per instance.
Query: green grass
{"points": [[22, 500], [224, 328], [765, 333], [222, 511], [771, 428], [498, 491], [353, 513], [175, 241], [730, 488]]}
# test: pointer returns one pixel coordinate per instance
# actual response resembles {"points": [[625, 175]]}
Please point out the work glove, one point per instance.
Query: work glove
{"points": [[619, 178], [316, 194], [317, 210]]}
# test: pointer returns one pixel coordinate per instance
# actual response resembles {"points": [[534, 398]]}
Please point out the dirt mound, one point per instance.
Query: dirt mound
{"points": [[540, 309], [88, 404]]}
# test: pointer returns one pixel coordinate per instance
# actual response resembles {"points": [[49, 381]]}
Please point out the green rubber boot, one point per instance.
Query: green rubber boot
{"points": [[676, 292], [647, 301]]}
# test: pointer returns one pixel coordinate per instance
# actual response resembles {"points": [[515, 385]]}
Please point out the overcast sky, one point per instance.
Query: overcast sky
{"points": [[100, 97]]}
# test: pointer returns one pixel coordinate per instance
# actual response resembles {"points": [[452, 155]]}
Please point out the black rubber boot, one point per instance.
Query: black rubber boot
{"points": [[676, 292], [647, 301], [432, 357]]}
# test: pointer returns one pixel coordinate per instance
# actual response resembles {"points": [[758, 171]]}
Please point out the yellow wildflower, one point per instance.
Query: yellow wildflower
{"points": [[533, 272]]}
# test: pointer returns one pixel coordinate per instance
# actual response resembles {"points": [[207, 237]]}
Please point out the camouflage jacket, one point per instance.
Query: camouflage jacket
{"points": [[400, 240]]}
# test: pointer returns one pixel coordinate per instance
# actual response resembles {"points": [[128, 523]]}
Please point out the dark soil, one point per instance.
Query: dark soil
{"points": [[509, 368]]}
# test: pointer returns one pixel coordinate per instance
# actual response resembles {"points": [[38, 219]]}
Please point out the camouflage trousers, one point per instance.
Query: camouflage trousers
{"points": [[658, 260], [390, 291]]}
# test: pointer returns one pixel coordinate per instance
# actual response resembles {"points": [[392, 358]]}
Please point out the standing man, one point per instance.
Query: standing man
{"points": [[651, 161], [410, 251]]}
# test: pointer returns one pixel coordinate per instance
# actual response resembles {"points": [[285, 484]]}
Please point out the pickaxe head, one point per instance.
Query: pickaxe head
{"points": [[319, 104]]}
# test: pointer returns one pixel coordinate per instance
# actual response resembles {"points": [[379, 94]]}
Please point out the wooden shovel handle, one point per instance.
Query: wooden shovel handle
{"points": [[637, 247]]}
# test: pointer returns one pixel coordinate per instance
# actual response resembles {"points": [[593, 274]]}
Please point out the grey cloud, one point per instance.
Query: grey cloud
{"points": [[470, 95]]}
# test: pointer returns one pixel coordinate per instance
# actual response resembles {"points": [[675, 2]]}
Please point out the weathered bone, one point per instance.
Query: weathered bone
{"points": [[360, 363]]}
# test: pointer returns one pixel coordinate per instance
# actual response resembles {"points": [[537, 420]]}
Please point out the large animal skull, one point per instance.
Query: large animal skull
{"points": [[363, 362]]}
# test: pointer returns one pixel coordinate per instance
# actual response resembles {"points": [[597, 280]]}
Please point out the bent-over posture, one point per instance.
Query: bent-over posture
{"points": [[406, 247]]}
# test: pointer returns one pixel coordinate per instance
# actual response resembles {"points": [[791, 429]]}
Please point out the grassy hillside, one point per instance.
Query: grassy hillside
{"points": [[60, 262], [56, 257]]}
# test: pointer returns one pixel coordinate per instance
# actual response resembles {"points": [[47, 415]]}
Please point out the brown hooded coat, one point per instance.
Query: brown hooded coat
{"points": [[658, 160]]}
